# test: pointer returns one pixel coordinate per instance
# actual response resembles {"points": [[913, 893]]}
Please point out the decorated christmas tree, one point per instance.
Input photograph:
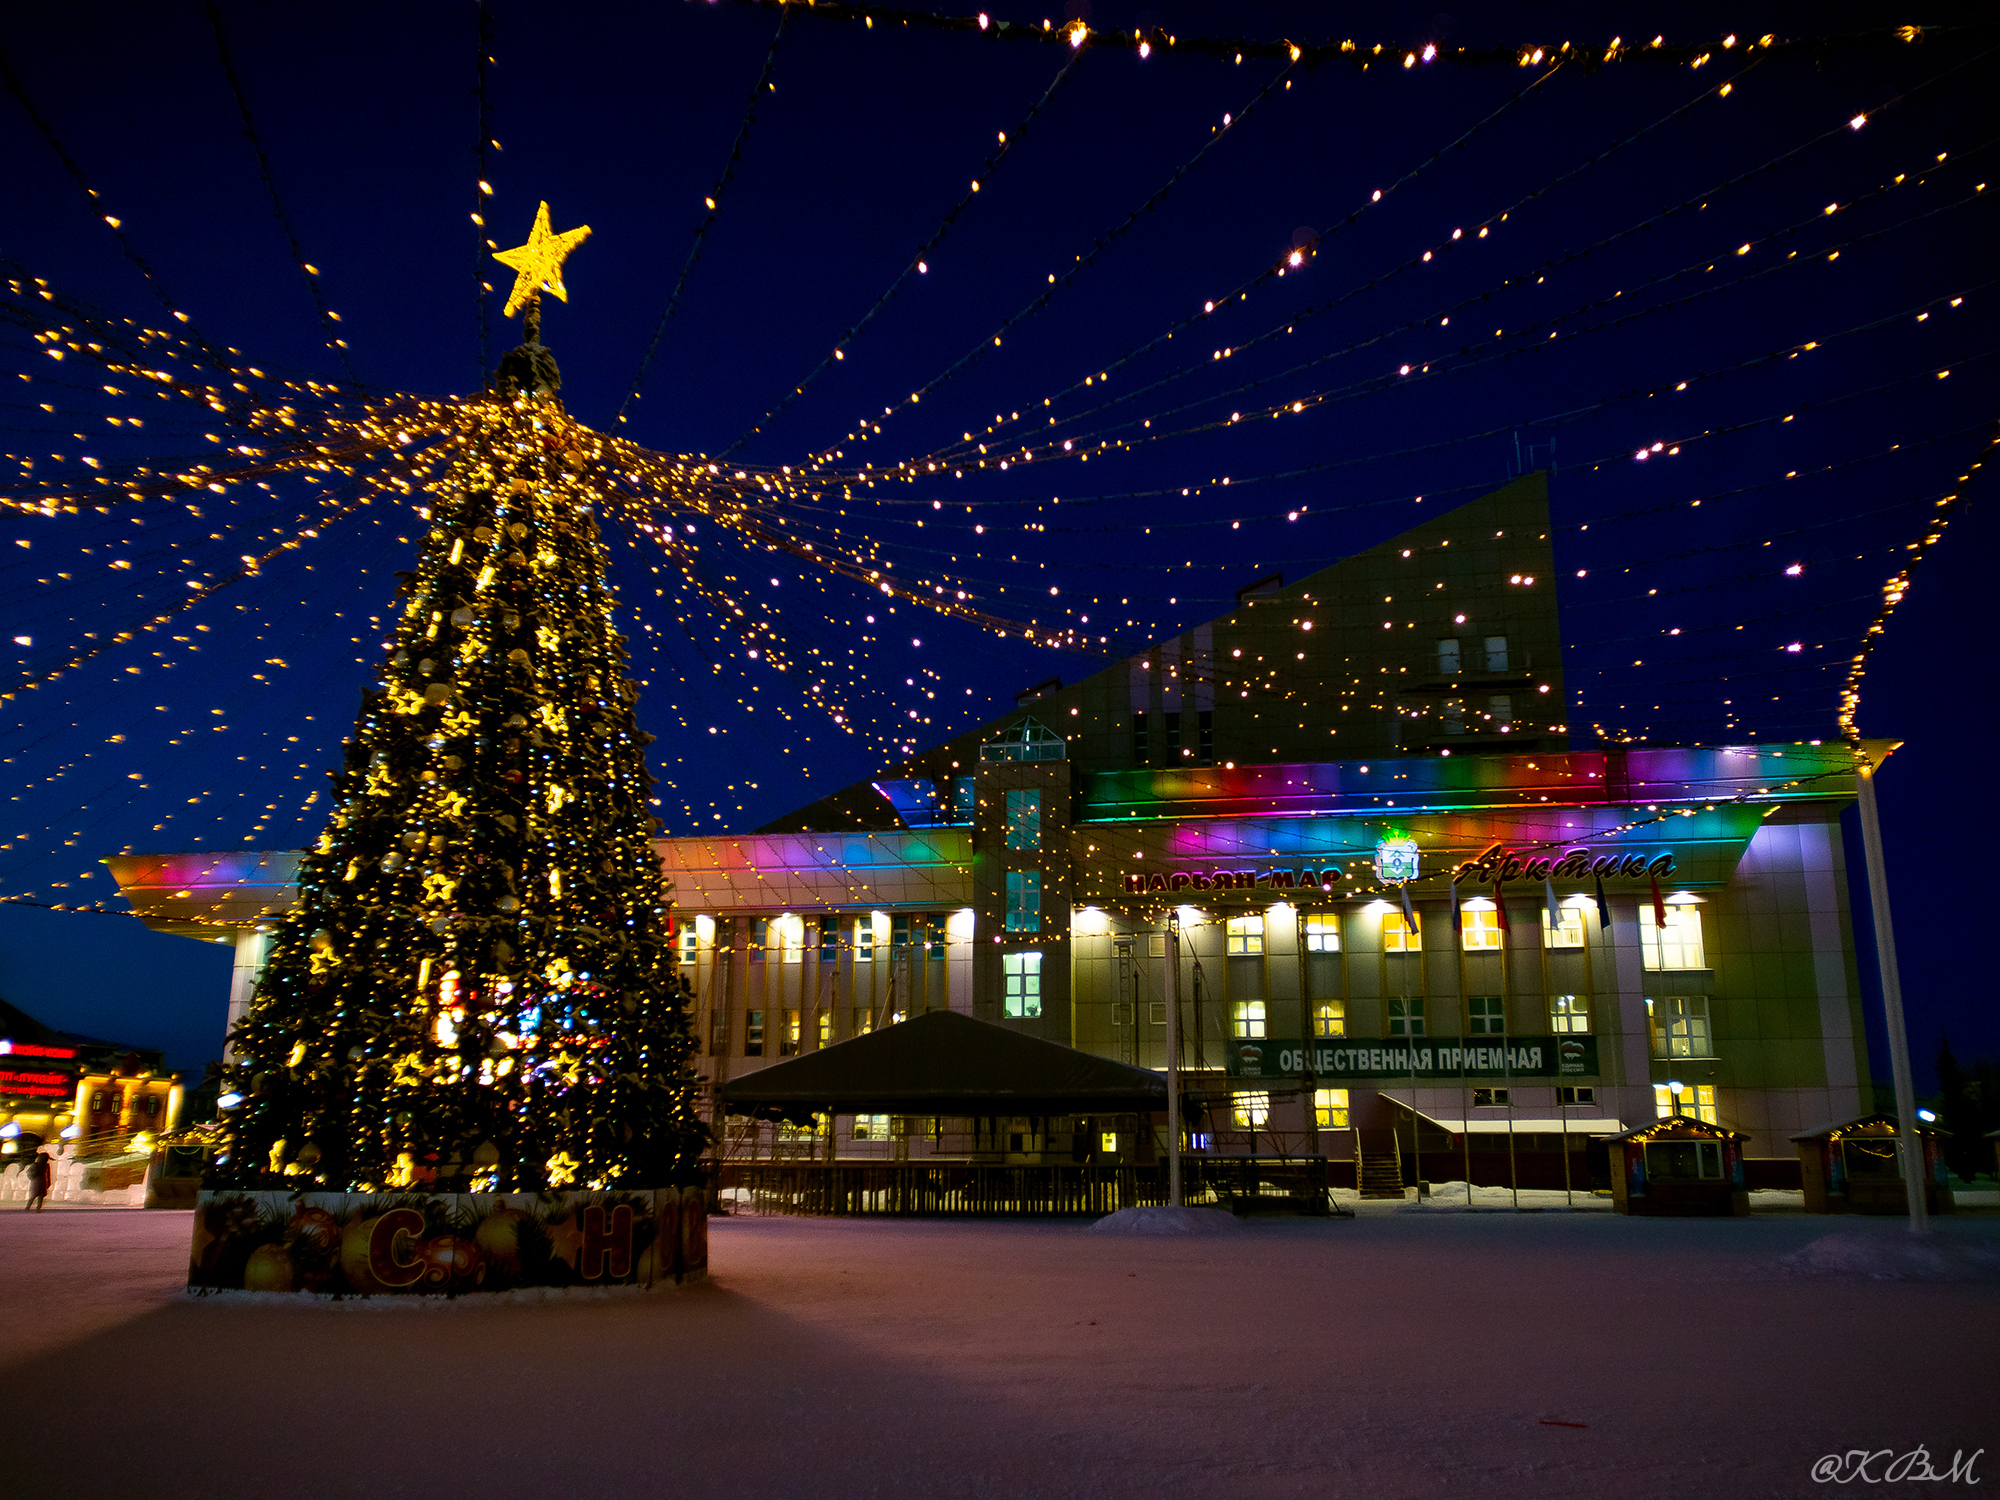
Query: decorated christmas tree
{"points": [[476, 989]]}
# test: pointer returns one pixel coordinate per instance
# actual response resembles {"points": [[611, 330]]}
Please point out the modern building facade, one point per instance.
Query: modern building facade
{"points": [[1343, 825]]}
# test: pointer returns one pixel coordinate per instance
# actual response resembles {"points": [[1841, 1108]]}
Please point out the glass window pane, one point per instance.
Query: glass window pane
{"points": [[1253, 1111], [1406, 1017], [1480, 926], [1249, 1019], [1487, 1015], [1245, 936], [1024, 819], [1022, 973], [1397, 934], [1569, 1013], [1330, 1018], [1322, 932], [1024, 900], [1330, 1109]]}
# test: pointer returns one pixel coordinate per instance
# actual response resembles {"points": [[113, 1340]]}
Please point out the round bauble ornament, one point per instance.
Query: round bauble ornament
{"points": [[314, 1228], [452, 1263], [482, 533], [269, 1269], [462, 615], [437, 692], [499, 1239], [507, 903]]}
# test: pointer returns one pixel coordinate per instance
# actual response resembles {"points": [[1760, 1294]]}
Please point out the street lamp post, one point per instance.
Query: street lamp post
{"points": [[1892, 999]]}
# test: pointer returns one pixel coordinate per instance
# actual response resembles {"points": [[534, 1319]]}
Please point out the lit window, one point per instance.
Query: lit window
{"points": [[1566, 931], [864, 940], [1024, 819], [1406, 1017], [1024, 900], [1250, 1019], [1679, 1024], [826, 1028], [1322, 932], [753, 1034], [788, 1044], [1480, 926], [1245, 936], [871, 1127], [690, 941], [1252, 1111], [1488, 1015], [1107, 1142], [1491, 1098], [1330, 1108], [1675, 946], [1398, 936], [792, 938], [864, 1021], [1569, 1013], [1696, 1099], [1329, 1018], [1023, 974]]}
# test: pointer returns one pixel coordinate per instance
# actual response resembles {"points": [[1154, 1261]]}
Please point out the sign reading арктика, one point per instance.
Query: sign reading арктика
{"points": [[1426, 1057]]}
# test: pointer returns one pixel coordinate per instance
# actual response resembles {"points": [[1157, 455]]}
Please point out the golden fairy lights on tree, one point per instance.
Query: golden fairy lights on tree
{"points": [[476, 989]]}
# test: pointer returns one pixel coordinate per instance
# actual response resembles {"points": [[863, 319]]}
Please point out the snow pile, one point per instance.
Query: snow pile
{"points": [[1896, 1255], [1163, 1222]]}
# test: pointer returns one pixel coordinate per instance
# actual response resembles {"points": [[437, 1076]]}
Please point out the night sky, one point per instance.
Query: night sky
{"points": [[1597, 239]]}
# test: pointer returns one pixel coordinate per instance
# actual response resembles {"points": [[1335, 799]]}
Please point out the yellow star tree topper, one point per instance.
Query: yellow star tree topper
{"points": [[537, 265]]}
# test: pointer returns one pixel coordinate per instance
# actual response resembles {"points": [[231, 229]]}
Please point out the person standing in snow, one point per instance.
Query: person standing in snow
{"points": [[38, 1179]]}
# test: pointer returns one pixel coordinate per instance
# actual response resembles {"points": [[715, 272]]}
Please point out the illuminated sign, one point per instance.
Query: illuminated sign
{"points": [[36, 1084], [1396, 1058], [1500, 863], [1231, 880], [33, 1049], [1396, 860]]}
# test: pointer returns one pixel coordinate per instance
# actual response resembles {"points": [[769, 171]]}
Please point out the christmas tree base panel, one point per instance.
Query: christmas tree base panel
{"points": [[446, 1244]]}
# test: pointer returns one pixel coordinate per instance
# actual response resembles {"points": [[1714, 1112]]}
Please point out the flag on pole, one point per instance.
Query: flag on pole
{"points": [[1500, 909], [1457, 921], [1409, 912], [1659, 906], [1549, 904], [1603, 908]]}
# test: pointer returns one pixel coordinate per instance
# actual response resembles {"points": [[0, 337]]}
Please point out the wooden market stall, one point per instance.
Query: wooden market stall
{"points": [[1678, 1166], [1854, 1168]]}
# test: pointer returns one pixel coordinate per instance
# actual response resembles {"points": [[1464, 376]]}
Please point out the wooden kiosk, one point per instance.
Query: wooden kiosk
{"points": [[1855, 1168], [1678, 1166]]}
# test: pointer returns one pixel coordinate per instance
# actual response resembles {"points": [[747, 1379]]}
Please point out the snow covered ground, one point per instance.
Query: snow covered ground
{"points": [[1403, 1352]]}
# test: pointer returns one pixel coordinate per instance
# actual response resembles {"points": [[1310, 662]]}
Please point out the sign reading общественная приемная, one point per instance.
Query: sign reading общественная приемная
{"points": [[1442, 1057]]}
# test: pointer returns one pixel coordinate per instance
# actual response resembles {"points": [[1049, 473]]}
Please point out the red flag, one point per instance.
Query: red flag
{"points": [[1659, 906], [1500, 909]]}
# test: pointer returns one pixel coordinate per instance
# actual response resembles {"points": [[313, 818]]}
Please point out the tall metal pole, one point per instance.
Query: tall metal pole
{"points": [[1892, 1002], [1173, 1059]]}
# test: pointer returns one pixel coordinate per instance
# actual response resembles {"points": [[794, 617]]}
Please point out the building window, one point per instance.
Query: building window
{"points": [[1479, 927], [152, 1104], [1173, 737], [1569, 1013], [1675, 946], [1496, 653], [934, 938], [1500, 709], [1244, 937], [966, 798], [864, 940], [1491, 1098], [1024, 900], [1024, 819], [1398, 936], [1406, 1017], [753, 1033], [1584, 1094], [826, 1028], [1023, 975], [760, 937], [1206, 748], [1249, 1019], [1454, 716], [788, 1043], [1679, 1024], [1107, 1142], [1139, 739], [864, 1021], [1448, 658], [871, 1127], [1252, 1111], [1566, 931], [718, 1034], [829, 939], [899, 935], [1488, 1015], [1330, 1018], [690, 941], [1684, 1161], [792, 938], [1330, 1109], [1156, 1013], [1696, 1099], [1322, 932]]}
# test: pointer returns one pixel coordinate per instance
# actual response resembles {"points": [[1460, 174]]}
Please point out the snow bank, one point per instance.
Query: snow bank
{"points": [[1160, 1222], [1893, 1254]]}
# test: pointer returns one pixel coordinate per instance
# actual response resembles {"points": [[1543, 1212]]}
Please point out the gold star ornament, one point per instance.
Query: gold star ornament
{"points": [[537, 265]]}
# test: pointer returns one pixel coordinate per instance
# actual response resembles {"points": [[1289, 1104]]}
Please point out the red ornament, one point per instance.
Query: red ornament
{"points": [[316, 1228], [452, 1262]]}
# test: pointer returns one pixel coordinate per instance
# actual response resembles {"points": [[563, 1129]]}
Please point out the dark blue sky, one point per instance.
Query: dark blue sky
{"points": [[1615, 203]]}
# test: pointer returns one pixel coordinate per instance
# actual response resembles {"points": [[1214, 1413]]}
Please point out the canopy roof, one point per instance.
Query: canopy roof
{"points": [[1677, 1127], [945, 1063], [1871, 1125]]}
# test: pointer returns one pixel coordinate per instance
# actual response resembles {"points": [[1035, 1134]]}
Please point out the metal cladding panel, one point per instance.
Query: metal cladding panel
{"points": [[930, 868], [206, 894]]}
